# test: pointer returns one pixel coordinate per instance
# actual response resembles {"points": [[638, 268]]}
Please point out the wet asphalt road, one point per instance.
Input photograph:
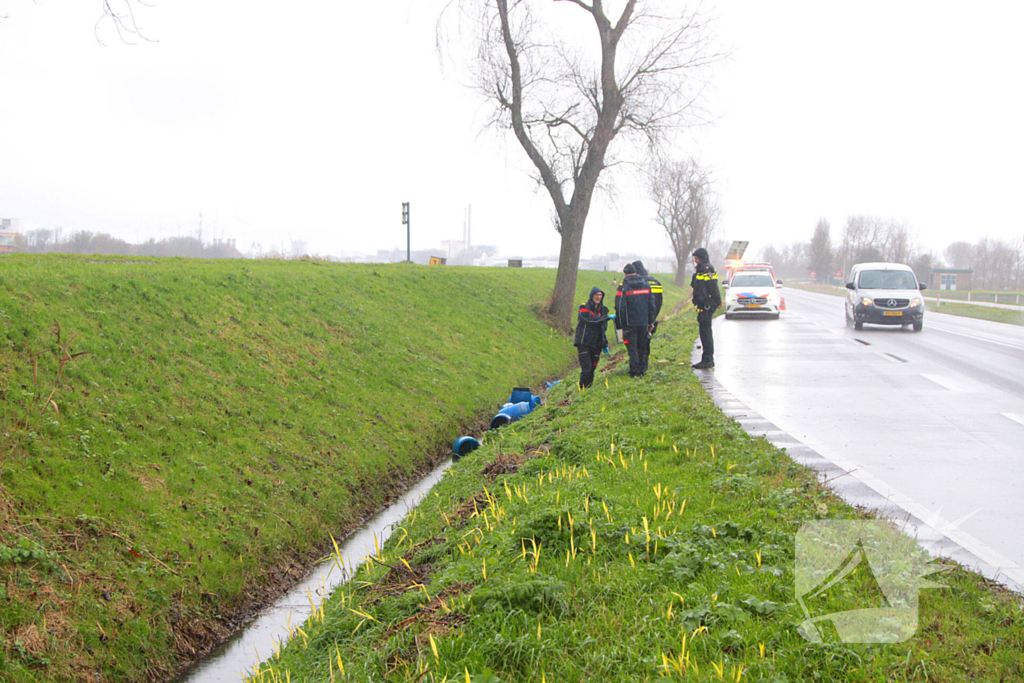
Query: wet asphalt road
{"points": [[930, 423]]}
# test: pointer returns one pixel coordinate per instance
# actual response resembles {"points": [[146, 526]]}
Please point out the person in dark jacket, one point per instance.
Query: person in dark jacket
{"points": [[634, 315], [591, 339], [656, 288], [707, 299], [657, 293]]}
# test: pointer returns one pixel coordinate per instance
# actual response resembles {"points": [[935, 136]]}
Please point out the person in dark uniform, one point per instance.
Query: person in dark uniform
{"points": [[590, 339], [707, 299], [657, 292], [634, 315]]}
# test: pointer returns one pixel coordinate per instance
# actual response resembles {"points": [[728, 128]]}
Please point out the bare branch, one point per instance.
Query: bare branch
{"points": [[124, 20], [686, 206], [583, 5], [568, 98]]}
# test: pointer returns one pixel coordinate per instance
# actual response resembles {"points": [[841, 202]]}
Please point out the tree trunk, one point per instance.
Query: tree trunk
{"points": [[681, 270], [561, 303]]}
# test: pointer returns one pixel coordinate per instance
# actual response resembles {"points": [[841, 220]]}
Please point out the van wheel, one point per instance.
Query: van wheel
{"points": [[858, 325], [918, 326]]}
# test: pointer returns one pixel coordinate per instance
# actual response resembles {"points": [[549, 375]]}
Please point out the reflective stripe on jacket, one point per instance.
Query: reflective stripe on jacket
{"points": [[634, 303], [704, 283], [591, 323]]}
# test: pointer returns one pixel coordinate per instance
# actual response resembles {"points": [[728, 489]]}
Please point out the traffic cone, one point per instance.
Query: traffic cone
{"points": [[782, 304]]}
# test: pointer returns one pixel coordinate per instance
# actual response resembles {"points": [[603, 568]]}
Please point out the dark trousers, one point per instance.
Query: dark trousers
{"points": [[588, 364], [638, 344], [707, 343]]}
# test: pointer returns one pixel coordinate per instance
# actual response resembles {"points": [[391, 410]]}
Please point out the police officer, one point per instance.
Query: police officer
{"points": [[656, 289], [634, 315], [657, 292], [707, 299], [590, 339]]}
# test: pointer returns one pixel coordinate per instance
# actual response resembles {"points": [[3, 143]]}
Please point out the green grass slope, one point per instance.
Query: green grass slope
{"points": [[629, 533], [180, 438]]}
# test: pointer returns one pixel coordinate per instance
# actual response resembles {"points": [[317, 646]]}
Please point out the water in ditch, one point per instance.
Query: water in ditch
{"points": [[232, 661]]}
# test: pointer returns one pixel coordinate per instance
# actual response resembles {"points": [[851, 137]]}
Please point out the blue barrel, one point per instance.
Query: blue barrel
{"points": [[464, 445], [516, 410], [510, 412], [520, 394], [500, 420]]}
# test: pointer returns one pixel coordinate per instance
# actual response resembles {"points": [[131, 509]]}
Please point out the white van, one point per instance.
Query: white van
{"points": [[884, 294]]}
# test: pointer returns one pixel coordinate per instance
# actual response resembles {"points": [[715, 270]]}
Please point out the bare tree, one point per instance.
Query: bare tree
{"points": [[996, 264], [789, 260], [120, 13], [566, 101], [897, 241], [923, 264], [960, 255], [819, 252], [686, 207], [869, 238]]}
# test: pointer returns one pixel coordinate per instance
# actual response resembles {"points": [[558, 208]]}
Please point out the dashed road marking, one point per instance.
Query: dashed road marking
{"points": [[941, 381]]}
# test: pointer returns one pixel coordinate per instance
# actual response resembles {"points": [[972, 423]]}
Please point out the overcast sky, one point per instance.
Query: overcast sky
{"points": [[314, 122]]}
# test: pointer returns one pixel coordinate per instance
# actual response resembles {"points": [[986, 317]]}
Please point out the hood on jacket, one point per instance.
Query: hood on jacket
{"points": [[595, 290], [639, 265], [702, 254]]}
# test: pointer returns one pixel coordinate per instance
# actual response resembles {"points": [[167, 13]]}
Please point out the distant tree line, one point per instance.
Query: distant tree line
{"points": [[46, 241], [997, 264]]}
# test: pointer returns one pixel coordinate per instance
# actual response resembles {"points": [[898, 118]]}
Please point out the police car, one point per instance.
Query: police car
{"points": [[753, 290]]}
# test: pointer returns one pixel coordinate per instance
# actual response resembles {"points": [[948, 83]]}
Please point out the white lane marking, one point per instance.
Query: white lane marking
{"points": [[999, 565], [941, 381], [1019, 419], [979, 337]]}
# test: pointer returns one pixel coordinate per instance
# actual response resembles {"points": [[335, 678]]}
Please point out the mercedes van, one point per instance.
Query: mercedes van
{"points": [[884, 294]]}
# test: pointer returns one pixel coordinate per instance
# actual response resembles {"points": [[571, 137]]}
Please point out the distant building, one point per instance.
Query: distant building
{"points": [[9, 235], [951, 278]]}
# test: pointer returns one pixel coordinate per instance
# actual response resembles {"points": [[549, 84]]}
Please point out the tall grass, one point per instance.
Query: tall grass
{"points": [[629, 532], [180, 438]]}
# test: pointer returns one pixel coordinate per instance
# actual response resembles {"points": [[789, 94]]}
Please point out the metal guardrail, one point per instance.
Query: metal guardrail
{"points": [[985, 304], [1011, 298]]}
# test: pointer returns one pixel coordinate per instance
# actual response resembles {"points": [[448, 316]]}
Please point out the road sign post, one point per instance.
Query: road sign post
{"points": [[408, 228]]}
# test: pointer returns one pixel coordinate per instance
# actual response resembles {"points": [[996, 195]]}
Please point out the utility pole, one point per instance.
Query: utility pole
{"points": [[408, 231]]}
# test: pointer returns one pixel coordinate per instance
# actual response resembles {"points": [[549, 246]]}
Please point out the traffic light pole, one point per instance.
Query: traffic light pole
{"points": [[408, 231]]}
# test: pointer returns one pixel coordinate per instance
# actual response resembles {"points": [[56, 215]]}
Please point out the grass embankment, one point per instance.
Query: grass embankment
{"points": [[999, 315], [628, 533], [180, 438]]}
